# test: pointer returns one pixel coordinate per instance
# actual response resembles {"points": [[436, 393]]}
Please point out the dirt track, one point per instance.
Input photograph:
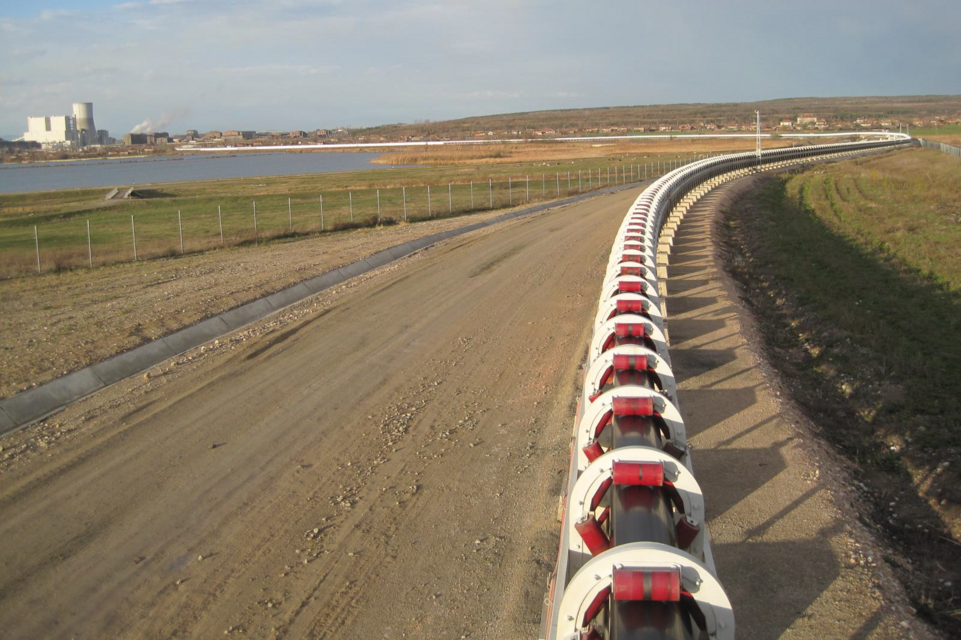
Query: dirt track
{"points": [[384, 461], [386, 465]]}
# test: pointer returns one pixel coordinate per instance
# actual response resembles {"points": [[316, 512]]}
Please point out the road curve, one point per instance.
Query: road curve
{"points": [[385, 466]]}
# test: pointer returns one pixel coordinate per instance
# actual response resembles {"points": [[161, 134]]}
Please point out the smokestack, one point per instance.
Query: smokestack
{"points": [[83, 112]]}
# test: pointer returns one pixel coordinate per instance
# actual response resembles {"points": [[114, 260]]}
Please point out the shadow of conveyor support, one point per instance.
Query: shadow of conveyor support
{"points": [[880, 326], [780, 545]]}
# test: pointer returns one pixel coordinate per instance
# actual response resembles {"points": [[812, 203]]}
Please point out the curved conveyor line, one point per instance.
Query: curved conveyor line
{"points": [[635, 558]]}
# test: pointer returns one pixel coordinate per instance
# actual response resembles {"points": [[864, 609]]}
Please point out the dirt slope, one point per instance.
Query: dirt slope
{"points": [[385, 463], [790, 549]]}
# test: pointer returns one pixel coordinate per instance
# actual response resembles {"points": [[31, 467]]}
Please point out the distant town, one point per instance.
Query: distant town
{"points": [[76, 135]]}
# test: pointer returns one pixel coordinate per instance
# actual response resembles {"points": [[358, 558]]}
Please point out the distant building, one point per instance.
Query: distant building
{"points": [[52, 131], [160, 137], [806, 119], [298, 134], [192, 132], [242, 135], [135, 138]]}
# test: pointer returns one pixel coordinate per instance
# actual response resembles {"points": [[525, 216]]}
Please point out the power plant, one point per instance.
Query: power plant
{"points": [[64, 132]]}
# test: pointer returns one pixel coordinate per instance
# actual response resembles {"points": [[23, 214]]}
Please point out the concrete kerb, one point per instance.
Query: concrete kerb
{"points": [[196, 335], [143, 357], [33, 405], [288, 296], [247, 313], [6, 422], [40, 402]]}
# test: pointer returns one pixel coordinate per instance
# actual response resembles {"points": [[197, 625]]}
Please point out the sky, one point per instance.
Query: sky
{"points": [[306, 64]]}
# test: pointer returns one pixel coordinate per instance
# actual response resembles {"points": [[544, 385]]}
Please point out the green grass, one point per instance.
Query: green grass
{"points": [[61, 216], [870, 253], [945, 130]]}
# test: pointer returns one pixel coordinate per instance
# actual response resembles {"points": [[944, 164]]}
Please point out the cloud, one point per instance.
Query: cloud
{"points": [[53, 14], [128, 5], [492, 95], [275, 69]]}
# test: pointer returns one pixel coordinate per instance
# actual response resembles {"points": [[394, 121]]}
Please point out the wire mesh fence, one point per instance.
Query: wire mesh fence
{"points": [[76, 241], [941, 146]]}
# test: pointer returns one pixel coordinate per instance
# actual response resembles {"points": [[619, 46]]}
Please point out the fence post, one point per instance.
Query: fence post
{"points": [[350, 203], [590, 179], [321, 213], [490, 190], [404, 189], [579, 181], [378, 206], [510, 192], [89, 247], [429, 213], [568, 182], [608, 174], [180, 230], [450, 199], [255, 219], [220, 223], [290, 218], [472, 195], [133, 230], [557, 177], [36, 239]]}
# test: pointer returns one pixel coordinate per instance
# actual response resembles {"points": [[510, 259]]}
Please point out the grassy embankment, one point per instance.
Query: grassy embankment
{"points": [[854, 271], [869, 252], [61, 216]]}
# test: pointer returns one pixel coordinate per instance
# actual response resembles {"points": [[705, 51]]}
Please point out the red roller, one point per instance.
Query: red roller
{"points": [[593, 451], [630, 306], [593, 535], [594, 608], [600, 493], [686, 531], [630, 330], [632, 271], [634, 406], [630, 286], [639, 474], [663, 585], [633, 247], [634, 238], [630, 363]]}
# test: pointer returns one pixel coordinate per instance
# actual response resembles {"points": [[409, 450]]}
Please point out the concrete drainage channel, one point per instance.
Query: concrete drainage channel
{"points": [[33, 405]]}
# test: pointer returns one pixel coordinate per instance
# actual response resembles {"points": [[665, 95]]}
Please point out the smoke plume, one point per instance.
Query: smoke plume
{"points": [[165, 120]]}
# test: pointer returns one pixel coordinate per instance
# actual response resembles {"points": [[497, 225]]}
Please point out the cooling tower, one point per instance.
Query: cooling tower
{"points": [[83, 112]]}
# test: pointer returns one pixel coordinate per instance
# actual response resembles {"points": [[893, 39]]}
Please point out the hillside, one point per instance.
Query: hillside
{"points": [[835, 112]]}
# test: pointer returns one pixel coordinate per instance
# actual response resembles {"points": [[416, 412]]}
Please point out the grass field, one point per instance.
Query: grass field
{"points": [[287, 205], [864, 260]]}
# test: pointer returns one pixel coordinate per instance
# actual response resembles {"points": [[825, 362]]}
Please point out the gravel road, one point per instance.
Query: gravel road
{"points": [[383, 461]]}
